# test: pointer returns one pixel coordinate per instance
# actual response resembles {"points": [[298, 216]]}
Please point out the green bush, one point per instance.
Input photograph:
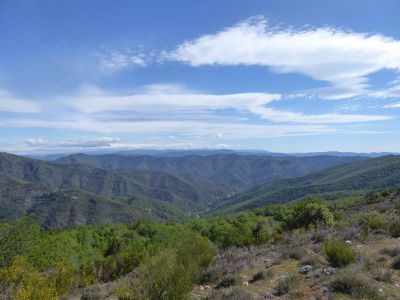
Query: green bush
{"points": [[20, 237], [313, 211], [163, 277], [372, 220], [338, 253], [22, 281], [172, 273]]}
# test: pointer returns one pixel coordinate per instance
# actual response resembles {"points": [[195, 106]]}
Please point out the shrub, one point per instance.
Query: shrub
{"points": [[313, 211], [295, 253], [227, 281], [287, 284], [63, 277], [237, 293], [162, 277], [208, 276], [23, 281], [257, 277], [355, 284], [21, 237], [394, 229], [312, 259], [396, 263], [269, 273], [381, 274], [338, 253], [372, 220], [394, 251]]}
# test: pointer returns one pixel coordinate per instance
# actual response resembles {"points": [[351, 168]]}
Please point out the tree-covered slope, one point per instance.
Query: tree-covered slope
{"points": [[66, 208], [354, 177], [225, 172], [112, 183]]}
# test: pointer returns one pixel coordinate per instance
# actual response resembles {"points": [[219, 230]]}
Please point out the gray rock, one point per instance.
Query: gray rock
{"points": [[320, 272], [305, 269], [269, 295]]}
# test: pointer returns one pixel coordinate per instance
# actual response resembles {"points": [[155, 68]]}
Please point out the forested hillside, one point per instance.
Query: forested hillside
{"points": [[227, 172], [66, 208], [345, 180], [111, 183]]}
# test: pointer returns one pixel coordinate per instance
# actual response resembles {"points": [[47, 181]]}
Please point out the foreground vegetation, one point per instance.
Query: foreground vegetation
{"points": [[239, 256]]}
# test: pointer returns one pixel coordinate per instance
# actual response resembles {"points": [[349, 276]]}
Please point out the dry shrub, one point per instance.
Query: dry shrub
{"points": [[287, 284], [237, 293], [393, 251], [320, 234], [394, 228], [382, 274], [313, 259], [228, 281], [396, 263], [355, 284], [293, 253], [257, 277]]}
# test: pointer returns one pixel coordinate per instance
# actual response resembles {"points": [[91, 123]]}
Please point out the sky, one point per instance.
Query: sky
{"points": [[282, 76]]}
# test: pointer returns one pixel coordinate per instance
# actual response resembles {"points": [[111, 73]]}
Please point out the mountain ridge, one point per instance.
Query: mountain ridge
{"points": [[228, 172], [375, 173]]}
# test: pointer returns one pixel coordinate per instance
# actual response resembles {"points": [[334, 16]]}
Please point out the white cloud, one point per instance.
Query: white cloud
{"points": [[11, 103], [393, 105], [342, 58], [178, 105], [77, 145], [114, 61], [284, 116], [91, 143], [181, 129], [94, 103], [34, 141], [173, 110], [392, 92]]}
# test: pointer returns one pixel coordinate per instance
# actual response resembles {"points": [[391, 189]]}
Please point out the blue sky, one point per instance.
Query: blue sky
{"points": [[285, 76]]}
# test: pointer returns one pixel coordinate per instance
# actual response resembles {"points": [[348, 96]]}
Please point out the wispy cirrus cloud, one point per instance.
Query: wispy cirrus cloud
{"points": [[113, 61], [391, 92], [176, 110], [99, 144], [342, 58], [393, 105], [11, 103], [177, 101]]}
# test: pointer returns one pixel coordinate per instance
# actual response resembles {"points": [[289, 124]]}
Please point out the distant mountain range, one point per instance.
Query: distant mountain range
{"points": [[85, 189], [228, 173], [331, 183], [208, 152]]}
